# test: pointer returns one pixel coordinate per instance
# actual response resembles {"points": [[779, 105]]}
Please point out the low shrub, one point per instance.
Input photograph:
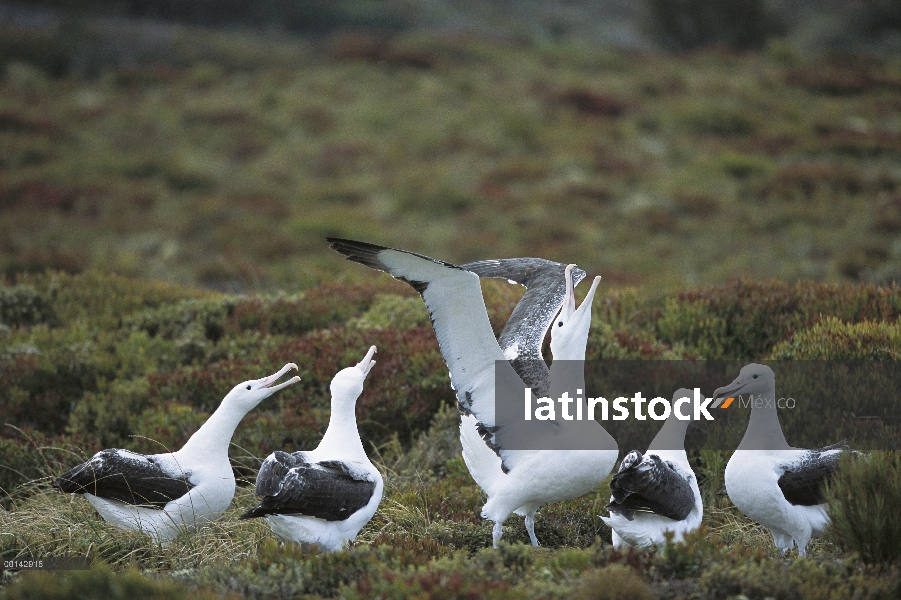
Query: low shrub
{"points": [[833, 339], [396, 312], [98, 583], [613, 582], [864, 497], [23, 306]]}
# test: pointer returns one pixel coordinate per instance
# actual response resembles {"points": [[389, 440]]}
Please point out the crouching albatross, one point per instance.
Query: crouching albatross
{"points": [[656, 492], [324, 496], [772, 483], [162, 495], [454, 300]]}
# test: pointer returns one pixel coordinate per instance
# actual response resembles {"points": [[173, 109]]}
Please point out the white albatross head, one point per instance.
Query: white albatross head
{"points": [[347, 384], [569, 331], [753, 379], [246, 395]]}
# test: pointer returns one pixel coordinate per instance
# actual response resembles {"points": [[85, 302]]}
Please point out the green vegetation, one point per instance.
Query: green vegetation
{"points": [[165, 200], [863, 499], [223, 159], [108, 361]]}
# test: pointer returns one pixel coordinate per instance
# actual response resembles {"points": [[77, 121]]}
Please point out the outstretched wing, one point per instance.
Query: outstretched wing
{"points": [[454, 300], [330, 490], [649, 484], [127, 477], [802, 479], [523, 335]]}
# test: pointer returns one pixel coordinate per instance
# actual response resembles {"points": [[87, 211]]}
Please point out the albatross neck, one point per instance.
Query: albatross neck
{"points": [[342, 438], [671, 435], [764, 431], [214, 436]]}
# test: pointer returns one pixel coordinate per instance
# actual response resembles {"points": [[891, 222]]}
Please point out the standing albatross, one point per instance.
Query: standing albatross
{"points": [[547, 291], [549, 299], [162, 495], [324, 496], [774, 484], [454, 300], [656, 492]]}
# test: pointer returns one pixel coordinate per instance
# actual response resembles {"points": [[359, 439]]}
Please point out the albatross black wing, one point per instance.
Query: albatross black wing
{"points": [[648, 484], [124, 476], [329, 490], [523, 335], [803, 479]]}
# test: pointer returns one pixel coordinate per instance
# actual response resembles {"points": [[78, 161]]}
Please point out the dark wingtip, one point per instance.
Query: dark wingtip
{"points": [[67, 486], [253, 514]]}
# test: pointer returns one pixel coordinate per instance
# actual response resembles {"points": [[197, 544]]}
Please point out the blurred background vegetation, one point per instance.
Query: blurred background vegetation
{"points": [[169, 169], [664, 143]]}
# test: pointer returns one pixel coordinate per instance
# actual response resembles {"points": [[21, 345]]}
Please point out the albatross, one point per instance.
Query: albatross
{"points": [[656, 492], [324, 496], [547, 291], [454, 300], [550, 294], [778, 486], [163, 495]]}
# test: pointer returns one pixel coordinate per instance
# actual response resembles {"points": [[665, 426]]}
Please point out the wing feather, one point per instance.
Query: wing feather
{"points": [[290, 485], [802, 479], [125, 476], [649, 484]]}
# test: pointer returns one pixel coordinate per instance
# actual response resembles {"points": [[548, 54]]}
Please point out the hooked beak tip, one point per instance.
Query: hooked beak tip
{"points": [[365, 365]]}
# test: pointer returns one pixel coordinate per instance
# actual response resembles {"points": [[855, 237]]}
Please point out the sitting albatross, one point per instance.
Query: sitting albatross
{"points": [[162, 495], [454, 300], [772, 483], [550, 293], [656, 492], [324, 496]]}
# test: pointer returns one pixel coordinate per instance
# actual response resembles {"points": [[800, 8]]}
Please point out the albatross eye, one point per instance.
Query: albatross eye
{"points": [[560, 324], [755, 377], [248, 387]]}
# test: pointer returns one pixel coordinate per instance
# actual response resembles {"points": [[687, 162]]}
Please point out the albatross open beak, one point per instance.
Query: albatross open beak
{"points": [[569, 300], [366, 364], [267, 382], [729, 391]]}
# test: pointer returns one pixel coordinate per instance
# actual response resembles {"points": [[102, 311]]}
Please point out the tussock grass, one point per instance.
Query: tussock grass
{"points": [[48, 523], [864, 498]]}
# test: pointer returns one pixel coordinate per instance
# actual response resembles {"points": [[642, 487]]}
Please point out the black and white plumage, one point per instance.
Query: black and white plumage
{"points": [[127, 477], [454, 300], [290, 485], [550, 292], [774, 484], [523, 335], [656, 492], [163, 495], [650, 485], [324, 496], [802, 480]]}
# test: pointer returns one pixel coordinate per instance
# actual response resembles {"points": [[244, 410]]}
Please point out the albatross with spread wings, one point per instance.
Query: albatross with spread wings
{"points": [[454, 300]]}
